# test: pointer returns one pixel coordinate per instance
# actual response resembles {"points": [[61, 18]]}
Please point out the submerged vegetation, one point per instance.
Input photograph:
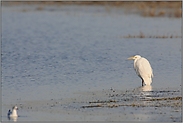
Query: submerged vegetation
{"points": [[141, 35], [170, 102], [136, 98]]}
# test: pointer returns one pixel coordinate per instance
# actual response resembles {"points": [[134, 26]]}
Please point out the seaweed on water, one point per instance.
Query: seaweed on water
{"points": [[161, 99], [98, 101], [112, 103]]}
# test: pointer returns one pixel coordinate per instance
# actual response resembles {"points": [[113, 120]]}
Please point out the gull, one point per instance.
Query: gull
{"points": [[13, 114]]}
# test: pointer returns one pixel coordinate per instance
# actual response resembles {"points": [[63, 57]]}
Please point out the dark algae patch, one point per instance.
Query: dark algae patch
{"points": [[173, 98], [136, 98], [98, 101]]}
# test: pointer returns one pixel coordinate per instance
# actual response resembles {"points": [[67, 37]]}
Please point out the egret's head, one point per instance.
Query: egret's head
{"points": [[135, 57]]}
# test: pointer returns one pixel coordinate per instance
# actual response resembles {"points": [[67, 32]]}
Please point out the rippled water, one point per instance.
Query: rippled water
{"points": [[54, 53]]}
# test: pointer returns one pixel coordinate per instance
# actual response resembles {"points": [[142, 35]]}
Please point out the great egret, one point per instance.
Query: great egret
{"points": [[143, 69]]}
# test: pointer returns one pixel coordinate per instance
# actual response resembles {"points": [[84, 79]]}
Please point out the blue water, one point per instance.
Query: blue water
{"points": [[54, 54]]}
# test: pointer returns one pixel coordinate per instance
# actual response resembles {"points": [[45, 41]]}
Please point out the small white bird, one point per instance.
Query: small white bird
{"points": [[13, 113], [143, 69]]}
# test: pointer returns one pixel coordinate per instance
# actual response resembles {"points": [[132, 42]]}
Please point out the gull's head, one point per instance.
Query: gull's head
{"points": [[135, 57], [15, 108]]}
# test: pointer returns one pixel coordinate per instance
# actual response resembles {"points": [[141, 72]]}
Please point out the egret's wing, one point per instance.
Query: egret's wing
{"points": [[152, 73], [143, 68]]}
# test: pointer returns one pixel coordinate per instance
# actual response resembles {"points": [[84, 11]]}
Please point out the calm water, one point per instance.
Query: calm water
{"points": [[59, 51]]}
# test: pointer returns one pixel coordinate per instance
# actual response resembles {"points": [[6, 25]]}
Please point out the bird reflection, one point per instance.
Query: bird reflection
{"points": [[147, 88], [13, 118], [146, 91]]}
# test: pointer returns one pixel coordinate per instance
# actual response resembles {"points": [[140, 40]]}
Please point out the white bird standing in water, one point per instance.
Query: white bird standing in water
{"points": [[143, 69], [13, 113]]}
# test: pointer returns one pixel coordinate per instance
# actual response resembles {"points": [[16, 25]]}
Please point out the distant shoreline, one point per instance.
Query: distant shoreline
{"points": [[145, 9], [152, 4]]}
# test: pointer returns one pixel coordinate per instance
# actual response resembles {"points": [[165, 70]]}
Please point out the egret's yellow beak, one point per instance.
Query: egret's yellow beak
{"points": [[131, 58]]}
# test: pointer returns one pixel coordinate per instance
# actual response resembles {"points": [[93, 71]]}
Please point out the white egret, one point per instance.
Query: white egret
{"points": [[143, 69]]}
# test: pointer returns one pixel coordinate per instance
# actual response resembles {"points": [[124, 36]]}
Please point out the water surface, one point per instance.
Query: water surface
{"points": [[60, 51]]}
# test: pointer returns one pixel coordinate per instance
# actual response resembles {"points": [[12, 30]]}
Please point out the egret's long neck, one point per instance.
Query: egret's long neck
{"points": [[135, 62]]}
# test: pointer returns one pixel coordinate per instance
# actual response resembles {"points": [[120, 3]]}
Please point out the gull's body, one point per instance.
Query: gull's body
{"points": [[143, 69], [13, 113]]}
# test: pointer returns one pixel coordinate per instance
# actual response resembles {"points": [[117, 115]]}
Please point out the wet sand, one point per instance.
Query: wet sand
{"points": [[142, 103]]}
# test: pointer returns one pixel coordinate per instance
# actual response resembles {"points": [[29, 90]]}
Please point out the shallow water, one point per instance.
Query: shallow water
{"points": [[61, 51]]}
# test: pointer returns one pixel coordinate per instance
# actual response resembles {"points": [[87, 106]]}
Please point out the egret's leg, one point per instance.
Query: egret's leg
{"points": [[142, 82]]}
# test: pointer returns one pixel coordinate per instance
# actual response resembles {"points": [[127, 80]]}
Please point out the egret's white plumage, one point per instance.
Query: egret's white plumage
{"points": [[13, 113], [143, 69]]}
